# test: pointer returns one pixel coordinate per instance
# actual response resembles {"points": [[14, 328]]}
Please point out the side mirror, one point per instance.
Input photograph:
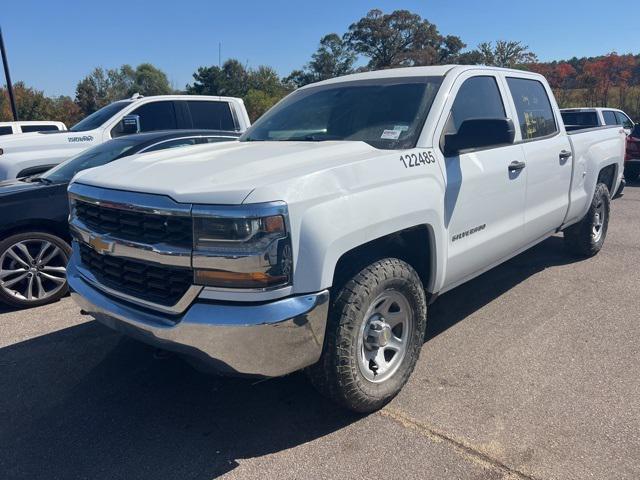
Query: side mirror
{"points": [[479, 133], [130, 124]]}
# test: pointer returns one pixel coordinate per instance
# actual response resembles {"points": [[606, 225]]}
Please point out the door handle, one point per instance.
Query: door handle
{"points": [[564, 154], [516, 166]]}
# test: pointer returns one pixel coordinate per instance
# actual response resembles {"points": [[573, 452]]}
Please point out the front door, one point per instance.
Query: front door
{"points": [[485, 196]]}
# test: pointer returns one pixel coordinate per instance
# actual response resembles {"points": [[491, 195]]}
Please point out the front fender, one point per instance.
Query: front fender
{"points": [[331, 228]]}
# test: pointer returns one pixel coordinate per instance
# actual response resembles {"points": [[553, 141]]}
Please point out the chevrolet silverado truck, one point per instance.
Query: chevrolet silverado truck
{"points": [[581, 118], [33, 153], [319, 239]]}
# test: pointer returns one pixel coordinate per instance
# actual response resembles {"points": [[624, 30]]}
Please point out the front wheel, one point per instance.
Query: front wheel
{"points": [[374, 334], [33, 269], [586, 237]]}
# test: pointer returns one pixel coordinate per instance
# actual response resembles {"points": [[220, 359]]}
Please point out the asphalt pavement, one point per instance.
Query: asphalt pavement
{"points": [[528, 372]]}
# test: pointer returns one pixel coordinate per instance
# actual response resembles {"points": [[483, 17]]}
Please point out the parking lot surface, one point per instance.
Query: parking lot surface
{"points": [[528, 372]]}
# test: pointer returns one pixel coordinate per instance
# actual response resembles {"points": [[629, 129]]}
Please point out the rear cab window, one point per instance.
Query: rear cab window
{"points": [[38, 128], [6, 130], [535, 114]]}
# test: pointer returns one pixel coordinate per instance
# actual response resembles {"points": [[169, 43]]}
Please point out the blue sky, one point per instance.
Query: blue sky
{"points": [[51, 45]]}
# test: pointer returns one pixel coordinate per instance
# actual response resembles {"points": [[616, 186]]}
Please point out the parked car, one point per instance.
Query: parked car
{"points": [[632, 157], [580, 118], [29, 154], [319, 238], [11, 128], [34, 233]]}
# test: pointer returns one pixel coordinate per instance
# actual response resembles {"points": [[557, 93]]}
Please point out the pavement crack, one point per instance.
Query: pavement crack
{"points": [[460, 446]]}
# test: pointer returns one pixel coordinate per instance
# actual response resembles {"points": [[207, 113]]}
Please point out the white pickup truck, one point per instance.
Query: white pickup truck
{"points": [[33, 153], [318, 240]]}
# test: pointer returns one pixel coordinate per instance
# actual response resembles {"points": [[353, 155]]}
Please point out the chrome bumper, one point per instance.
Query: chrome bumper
{"points": [[267, 339]]}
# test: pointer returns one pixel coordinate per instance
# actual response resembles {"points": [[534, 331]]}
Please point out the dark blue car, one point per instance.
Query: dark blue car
{"points": [[34, 234]]}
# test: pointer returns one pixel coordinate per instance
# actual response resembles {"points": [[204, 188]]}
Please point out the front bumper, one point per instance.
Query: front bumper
{"points": [[264, 339]]}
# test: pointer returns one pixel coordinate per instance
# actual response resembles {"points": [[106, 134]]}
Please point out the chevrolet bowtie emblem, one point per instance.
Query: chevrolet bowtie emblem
{"points": [[100, 245]]}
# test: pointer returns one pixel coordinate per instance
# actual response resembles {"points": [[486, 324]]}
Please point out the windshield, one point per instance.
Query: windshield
{"points": [[99, 117], [386, 113], [94, 157]]}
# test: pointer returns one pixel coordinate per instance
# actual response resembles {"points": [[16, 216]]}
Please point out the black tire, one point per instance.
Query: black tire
{"points": [[338, 374], [581, 238], [632, 172], [32, 240]]}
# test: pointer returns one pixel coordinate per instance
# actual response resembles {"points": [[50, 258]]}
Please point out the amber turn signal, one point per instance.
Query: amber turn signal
{"points": [[221, 278]]}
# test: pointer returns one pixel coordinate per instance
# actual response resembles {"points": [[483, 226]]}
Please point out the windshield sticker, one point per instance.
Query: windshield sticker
{"points": [[390, 134], [401, 128]]}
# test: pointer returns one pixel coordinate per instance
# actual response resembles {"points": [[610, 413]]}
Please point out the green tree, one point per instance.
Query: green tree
{"points": [[507, 54], [147, 80], [400, 38], [230, 80], [101, 87], [333, 58], [257, 102]]}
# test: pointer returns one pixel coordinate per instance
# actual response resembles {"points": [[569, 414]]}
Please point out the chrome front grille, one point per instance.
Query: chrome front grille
{"points": [[134, 246], [141, 227], [161, 285]]}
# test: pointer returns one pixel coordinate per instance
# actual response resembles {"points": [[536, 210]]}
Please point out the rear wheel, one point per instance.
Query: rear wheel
{"points": [[374, 335], [33, 269], [586, 237]]}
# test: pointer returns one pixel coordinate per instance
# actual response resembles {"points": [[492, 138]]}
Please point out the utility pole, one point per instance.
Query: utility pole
{"points": [[7, 76], [219, 54]]}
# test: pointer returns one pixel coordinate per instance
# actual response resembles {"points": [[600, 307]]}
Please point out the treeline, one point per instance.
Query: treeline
{"points": [[377, 41]]}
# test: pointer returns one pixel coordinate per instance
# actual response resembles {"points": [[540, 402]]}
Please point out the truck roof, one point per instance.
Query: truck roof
{"points": [[429, 71], [140, 98]]}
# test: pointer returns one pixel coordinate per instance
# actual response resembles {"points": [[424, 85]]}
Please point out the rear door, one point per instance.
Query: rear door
{"points": [[547, 154], [211, 115], [484, 201]]}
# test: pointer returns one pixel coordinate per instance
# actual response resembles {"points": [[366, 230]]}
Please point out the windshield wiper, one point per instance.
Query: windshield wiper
{"points": [[312, 138]]}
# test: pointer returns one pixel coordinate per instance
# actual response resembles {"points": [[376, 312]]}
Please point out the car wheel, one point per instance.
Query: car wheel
{"points": [[33, 269], [586, 237], [374, 334]]}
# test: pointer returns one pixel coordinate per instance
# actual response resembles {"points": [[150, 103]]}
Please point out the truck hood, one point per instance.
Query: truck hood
{"points": [[224, 173]]}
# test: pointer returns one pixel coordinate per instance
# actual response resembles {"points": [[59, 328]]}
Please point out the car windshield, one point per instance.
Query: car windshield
{"points": [[99, 117], [94, 157], [387, 113]]}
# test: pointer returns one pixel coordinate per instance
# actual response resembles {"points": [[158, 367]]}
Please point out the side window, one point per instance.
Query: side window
{"points": [[38, 128], [156, 116], [478, 97], [211, 115], [535, 114], [610, 118], [178, 142], [623, 120], [6, 131]]}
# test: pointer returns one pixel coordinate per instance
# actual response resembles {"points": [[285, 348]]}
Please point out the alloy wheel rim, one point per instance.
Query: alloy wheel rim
{"points": [[384, 336], [598, 222], [32, 270]]}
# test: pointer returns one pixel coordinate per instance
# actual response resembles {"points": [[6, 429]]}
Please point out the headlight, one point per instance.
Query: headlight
{"points": [[242, 247]]}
